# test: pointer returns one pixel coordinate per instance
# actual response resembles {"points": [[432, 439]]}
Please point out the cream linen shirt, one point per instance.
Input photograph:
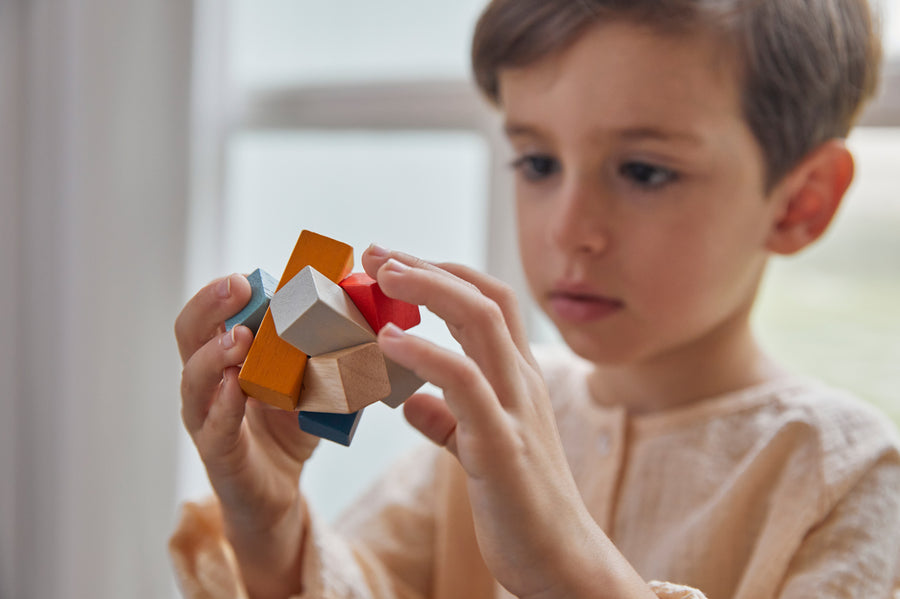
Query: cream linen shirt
{"points": [[788, 489]]}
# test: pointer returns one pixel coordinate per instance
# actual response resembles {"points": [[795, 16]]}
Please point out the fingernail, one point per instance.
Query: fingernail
{"points": [[378, 251], [391, 330], [395, 265], [228, 339], [223, 289]]}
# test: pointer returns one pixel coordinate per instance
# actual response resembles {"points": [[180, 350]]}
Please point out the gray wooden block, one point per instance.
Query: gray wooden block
{"points": [[316, 316], [404, 383]]}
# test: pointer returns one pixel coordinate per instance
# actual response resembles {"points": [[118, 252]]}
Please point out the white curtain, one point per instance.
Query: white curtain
{"points": [[94, 121]]}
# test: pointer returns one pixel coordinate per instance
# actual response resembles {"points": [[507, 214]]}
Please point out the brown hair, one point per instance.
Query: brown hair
{"points": [[806, 66]]}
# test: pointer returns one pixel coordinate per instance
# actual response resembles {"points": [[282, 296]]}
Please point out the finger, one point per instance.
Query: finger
{"points": [[222, 425], [431, 416], [204, 314], [202, 375], [469, 397], [377, 259], [505, 298], [374, 258], [475, 320]]}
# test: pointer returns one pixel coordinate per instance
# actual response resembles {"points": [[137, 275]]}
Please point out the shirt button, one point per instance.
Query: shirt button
{"points": [[603, 444]]}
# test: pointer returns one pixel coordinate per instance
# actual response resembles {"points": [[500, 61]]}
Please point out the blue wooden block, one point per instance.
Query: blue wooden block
{"points": [[334, 427], [263, 287]]}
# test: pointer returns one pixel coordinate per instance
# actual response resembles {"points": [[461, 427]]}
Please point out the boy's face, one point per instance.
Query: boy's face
{"points": [[642, 212]]}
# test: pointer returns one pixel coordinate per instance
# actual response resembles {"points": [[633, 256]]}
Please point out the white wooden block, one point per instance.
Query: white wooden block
{"points": [[316, 316]]}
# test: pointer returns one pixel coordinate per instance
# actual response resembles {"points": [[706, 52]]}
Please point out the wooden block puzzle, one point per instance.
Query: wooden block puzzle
{"points": [[316, 316], [339, 428], [314, 350], [273, 369], [345, 381], [377, 308], [262, 286]]}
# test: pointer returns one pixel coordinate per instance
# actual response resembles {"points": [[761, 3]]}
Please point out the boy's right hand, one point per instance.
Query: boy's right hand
{"points": [[253, 454]]}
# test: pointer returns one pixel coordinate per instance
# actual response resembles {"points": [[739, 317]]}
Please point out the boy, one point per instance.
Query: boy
{"points": [[664, 151]]}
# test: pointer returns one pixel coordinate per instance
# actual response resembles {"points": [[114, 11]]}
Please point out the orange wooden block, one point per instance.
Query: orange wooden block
{"points": [[332, 258], [273, 370]]}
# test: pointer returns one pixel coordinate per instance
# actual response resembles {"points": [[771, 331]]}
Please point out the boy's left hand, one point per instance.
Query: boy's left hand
{"points": [[533, 529]]}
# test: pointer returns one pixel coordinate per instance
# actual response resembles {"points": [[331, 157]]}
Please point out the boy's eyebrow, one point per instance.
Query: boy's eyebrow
{"points": [[658, 133], [516, 130], [513, 129]]}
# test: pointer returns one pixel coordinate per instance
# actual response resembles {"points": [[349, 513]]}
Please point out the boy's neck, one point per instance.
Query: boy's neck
{"points": [[725, 361]]}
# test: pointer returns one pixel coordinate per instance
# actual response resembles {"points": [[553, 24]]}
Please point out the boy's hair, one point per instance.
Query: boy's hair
{"points": [[806, 67]]}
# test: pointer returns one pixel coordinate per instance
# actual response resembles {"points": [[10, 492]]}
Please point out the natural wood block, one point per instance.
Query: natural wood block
{"points": [[339, 428], [345, 381], [273, 369], [404, 383], [262, 286], [377, 308], [316, 316]]}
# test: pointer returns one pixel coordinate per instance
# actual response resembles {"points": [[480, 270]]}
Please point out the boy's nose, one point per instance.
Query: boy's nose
{"points": [[580, 223]]}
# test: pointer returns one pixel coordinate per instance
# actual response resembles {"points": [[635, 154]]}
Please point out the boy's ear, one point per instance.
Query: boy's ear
{"points": [[809, 197]]}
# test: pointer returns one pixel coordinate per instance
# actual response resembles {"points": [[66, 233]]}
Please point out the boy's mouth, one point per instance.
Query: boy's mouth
{"points": [[570, 303]]}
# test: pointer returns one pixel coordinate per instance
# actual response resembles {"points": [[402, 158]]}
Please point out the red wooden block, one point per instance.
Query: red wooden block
{"points": [[377, 308]]}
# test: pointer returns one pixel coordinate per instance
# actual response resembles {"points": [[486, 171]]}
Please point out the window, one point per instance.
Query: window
{"points": [[383, 139]]}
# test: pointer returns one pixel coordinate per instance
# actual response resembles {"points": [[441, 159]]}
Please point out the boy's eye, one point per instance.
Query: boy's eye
{"points": [[647, 175], [536, 166]]}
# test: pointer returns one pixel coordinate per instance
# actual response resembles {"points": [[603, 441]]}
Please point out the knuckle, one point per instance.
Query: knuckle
{"points": [[467, 373], [180, 327], [187, 387], [190, 424], [488, 312], [505, 295]]}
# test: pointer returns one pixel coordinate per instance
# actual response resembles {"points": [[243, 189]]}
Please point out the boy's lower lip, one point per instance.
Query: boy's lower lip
{"points": [[581, 309]]}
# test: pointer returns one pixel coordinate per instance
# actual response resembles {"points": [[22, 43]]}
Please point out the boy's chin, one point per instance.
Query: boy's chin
{"points": [[600, 352]]}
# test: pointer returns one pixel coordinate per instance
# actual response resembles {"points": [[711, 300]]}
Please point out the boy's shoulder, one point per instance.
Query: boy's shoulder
{"points": [[843, 419], [851, 434]]}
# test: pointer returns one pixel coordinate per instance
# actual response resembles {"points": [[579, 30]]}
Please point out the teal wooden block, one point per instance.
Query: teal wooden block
{"points": [[263, 287], [338, 428]]}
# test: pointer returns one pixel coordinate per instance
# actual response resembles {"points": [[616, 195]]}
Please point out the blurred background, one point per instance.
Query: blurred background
{"points": [[149, 147]]}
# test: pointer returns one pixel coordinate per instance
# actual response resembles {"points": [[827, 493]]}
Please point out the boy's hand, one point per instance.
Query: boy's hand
{"points": [[533, 528], [253, 454]]}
